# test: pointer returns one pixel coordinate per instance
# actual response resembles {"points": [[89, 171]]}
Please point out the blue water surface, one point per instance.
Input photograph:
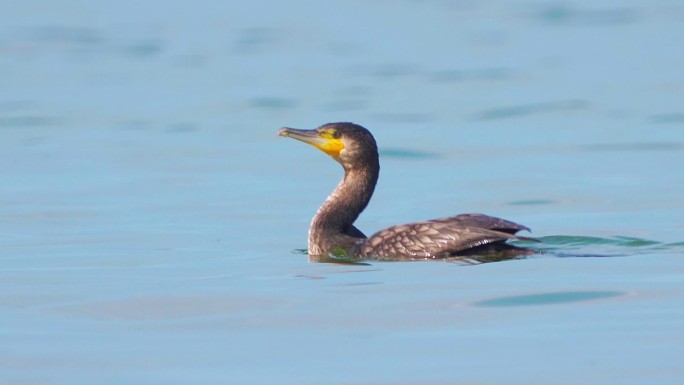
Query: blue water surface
{"points": [[151, 221]]}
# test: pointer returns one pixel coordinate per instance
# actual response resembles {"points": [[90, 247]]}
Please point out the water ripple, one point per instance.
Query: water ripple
{"points": [[616, 246], [406, 153], [555, 298], [531, 109], [565, 14], [674, 118]]}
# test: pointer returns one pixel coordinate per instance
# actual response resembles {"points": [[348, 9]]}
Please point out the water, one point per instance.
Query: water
{"points": [[150, 220]]}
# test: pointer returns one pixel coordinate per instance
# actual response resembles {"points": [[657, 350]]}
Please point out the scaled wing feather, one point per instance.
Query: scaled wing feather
{"points": [[439, 237]]}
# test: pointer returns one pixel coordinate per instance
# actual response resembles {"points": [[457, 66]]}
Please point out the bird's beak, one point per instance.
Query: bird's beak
{"points": [[311, 137], [322, 140]]}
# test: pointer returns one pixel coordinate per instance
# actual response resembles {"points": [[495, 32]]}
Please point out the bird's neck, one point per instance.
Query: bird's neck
{"points": [[337, 214]]}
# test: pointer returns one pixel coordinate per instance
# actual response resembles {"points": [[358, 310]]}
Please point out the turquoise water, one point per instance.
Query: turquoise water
{"points": [[151, 220]]}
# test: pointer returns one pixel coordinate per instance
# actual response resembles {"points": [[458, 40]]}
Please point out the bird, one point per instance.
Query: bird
{"points": [[332, 232]]}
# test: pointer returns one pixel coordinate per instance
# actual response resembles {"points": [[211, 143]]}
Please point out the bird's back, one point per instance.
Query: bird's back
{"points": [[439, 238]]}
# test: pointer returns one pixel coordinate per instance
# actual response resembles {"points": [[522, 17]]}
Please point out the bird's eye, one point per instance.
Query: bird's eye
{"points": [[336, 134]]}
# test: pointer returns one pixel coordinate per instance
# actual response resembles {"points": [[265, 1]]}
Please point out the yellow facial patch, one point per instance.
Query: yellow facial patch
{"points": [[329, 145], [327, 140]]}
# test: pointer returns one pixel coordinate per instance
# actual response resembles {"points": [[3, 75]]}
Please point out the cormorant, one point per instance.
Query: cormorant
{"points": [[332, 231]]}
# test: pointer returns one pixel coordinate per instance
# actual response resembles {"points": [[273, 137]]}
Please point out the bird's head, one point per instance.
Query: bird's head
{"points": [[348, 143]]}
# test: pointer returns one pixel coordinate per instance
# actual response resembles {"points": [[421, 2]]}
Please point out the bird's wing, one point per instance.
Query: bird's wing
{"points": [[439, 237], [484, 222]]}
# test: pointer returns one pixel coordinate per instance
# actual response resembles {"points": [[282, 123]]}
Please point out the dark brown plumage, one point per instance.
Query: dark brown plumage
{"points": [[332, 230]]}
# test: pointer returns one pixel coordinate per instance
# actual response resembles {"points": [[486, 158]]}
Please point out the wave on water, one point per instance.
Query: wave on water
{"points": [[616, 246]]}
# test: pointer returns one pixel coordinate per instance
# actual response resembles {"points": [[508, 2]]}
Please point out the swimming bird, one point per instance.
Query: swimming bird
{"points": [[332, 231]]}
